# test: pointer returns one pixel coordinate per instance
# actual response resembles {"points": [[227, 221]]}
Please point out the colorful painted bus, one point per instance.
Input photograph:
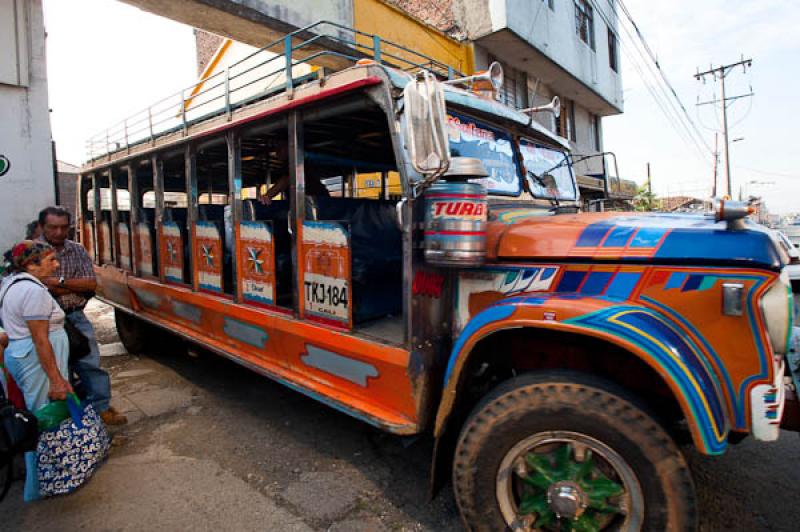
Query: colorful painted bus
{"points": [[559, 362]]}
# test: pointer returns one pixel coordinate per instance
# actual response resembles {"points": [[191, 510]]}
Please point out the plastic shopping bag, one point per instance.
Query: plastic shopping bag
{"points": [[69, 454]]}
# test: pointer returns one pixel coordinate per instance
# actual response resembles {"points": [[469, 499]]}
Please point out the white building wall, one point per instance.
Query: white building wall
{"points": [[552, 32], [25, 139]]}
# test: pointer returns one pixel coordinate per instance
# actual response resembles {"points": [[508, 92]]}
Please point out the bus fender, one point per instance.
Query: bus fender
{"points": [[642, 331]]}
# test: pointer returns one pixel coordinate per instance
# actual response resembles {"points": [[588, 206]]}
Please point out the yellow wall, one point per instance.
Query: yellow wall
{"points": [[376, 17], [369, 185]]}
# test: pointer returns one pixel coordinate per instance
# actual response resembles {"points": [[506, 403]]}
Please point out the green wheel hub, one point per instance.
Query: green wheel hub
{"points": [[567, 482]]}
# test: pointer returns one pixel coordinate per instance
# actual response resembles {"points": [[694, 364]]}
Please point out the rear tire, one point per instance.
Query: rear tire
{"points": [[557, 448], [136, 335]]}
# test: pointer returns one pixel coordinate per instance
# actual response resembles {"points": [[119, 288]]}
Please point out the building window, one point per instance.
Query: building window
{"points": [[571, 133], [597, 133], [613, 53], [514, 91], [14, 38], [584, 22], [565, 125]]}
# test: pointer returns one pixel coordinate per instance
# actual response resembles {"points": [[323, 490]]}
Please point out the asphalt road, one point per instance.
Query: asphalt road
{"points": [[212, 445]]}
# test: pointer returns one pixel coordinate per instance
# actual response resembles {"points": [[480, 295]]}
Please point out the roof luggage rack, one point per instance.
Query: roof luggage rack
{"points": [[331, 45]]}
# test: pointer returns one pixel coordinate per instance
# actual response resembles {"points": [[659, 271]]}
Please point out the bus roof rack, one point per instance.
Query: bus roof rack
{"points": [[326, 43]]}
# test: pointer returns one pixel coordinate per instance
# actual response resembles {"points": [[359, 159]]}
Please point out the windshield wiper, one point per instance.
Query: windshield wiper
{"points": [[540, 181]]}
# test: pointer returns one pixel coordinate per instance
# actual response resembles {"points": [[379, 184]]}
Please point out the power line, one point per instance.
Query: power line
{"points": [[766, 172], [662, 74], [662, 97]]}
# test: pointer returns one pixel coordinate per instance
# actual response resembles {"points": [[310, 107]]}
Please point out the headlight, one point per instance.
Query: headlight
{"points": [[776, 306]]}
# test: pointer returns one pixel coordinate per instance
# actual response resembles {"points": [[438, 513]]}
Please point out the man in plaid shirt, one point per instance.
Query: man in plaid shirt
{"points": [[72, 286]]}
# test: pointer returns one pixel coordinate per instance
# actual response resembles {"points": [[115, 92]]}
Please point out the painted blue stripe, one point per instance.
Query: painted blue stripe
{"points": [[640, 319], [596, 282], [676, 280], [623, 284], [619, 237], [739, 397], [593, 234], [753, 247], [548, 273], [570, 281], [693, 282], [258, 299], [648, 237], [211, 288]]}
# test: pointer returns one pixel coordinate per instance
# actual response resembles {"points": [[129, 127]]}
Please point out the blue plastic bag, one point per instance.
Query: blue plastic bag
{"points": [[68, 455]]}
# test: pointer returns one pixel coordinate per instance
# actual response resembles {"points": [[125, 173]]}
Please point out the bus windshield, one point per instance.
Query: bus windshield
{"points": [[472, 138], [548, 172]]}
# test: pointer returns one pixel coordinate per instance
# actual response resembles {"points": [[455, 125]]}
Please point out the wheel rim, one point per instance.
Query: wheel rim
{"points": [[567, 481]]}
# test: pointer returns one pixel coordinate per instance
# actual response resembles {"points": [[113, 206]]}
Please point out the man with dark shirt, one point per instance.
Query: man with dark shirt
{"points": [[72, 286]]}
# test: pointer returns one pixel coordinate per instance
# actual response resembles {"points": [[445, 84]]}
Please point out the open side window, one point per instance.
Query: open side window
{"points": [[265, 243], [122, 227], [87, 215], [105, 242], [351, 250], [144, 229], [173, 249], [213, 230]]}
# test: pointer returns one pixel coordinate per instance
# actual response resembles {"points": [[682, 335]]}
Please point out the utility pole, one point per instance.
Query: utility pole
{"points": [[716, 163], [649, 189], [720, 73]]}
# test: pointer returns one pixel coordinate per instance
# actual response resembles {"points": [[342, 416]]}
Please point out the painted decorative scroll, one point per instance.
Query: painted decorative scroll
{"points": [[124, 235], [208, 250], [88, 239], [104, 242], [144, 248], [171, 252], [257, 262], [326, 268]]}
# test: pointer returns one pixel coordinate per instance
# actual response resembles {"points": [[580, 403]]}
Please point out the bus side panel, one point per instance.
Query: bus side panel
{"points": [[362, 378]]}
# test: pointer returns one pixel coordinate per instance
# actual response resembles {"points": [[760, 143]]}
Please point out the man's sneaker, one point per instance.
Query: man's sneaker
{"points": [[112, 417]]}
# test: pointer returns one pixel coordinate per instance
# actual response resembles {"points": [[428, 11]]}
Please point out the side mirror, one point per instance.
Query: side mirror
{"points": [[426, 126]]}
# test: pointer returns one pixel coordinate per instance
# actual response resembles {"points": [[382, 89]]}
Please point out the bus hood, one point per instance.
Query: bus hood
{"points": [[516, 233]]}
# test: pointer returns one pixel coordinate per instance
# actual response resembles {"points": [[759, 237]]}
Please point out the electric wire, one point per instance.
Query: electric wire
{"points": [[669, 95], [661, 72], [661, 96]]}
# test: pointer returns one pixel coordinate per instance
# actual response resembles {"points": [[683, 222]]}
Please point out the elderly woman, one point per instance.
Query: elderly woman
{"points": [[37, 355]]}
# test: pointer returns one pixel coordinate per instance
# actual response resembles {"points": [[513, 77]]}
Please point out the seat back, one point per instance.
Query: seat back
{"points": [[376, 243]]}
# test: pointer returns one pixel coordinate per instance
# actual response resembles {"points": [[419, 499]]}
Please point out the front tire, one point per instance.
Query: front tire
{"points": [[561, 450]]}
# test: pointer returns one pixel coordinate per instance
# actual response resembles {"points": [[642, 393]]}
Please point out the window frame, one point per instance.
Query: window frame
{"points": [[584, 23], [613, 51]]}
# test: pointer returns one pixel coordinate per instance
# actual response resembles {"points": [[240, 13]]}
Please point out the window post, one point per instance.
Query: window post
{"points": [[96, 200], [112, 186], [190, 166], [234, 142], [158, 189], [297, 201], [133, 192]]}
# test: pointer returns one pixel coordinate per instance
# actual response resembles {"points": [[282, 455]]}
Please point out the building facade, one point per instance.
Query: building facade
{"points": [[27, 181], [564, 48]]}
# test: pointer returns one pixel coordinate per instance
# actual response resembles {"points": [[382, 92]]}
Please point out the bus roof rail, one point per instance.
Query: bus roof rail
{"points": [[275, 66]]}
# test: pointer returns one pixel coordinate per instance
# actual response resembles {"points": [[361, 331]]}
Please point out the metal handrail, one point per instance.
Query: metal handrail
{"points": [[178, 110]]}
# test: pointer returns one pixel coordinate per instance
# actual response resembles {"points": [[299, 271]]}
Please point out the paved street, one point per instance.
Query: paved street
{"points": [[213, 446]]}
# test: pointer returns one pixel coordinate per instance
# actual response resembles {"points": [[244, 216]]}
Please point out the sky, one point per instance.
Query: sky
{"points": [[107, 60], [689, 35]]}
